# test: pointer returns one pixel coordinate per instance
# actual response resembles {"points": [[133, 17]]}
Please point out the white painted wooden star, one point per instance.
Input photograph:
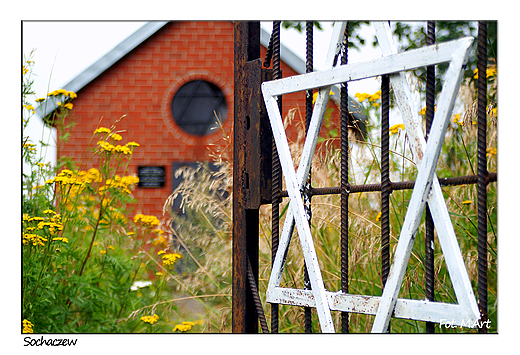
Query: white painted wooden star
{"points": [[383, 307]]}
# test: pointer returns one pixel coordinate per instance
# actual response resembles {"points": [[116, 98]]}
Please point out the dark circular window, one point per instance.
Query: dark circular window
{"points": [[194, 107]]}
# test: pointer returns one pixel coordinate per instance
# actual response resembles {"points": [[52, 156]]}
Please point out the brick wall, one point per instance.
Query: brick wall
{"points": [[141, 86]]}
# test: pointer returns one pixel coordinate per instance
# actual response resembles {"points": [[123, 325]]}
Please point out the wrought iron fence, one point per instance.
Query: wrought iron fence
{"points": [[257, 175]]}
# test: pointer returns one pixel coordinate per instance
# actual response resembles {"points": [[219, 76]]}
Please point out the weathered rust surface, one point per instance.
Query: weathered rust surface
{"points": [[251, 172]]}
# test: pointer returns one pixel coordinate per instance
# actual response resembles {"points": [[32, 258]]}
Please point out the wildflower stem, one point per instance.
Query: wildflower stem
{"points": [[101, 211]]}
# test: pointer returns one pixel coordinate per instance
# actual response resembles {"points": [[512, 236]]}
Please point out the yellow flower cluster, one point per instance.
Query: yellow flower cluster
{"points": [[146, 220], [160, 240], [116, 137], [170, 259], [184, 327], [29, 108], [69, 105], [372, 98], [490, 71], [63, 92], [150, 319], [102, 130], [76, 180], [467, 202], [395, 128], [110, 148], [122, 183], [315, 96], [458, 119], [27, 326], [34, 239], [51, 225], [491, 151], [423, 110]]}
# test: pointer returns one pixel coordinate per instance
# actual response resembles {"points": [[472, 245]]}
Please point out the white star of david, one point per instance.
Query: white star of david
{"points": [[427, 188]]}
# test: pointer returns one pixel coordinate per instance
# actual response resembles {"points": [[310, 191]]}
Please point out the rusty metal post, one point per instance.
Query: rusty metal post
{"points": [[429, 233], [482, 173], [251, 172]]}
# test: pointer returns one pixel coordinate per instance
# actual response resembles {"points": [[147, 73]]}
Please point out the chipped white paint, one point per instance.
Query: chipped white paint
{"points": [[296, 210], [427, 187], [426, 155]]}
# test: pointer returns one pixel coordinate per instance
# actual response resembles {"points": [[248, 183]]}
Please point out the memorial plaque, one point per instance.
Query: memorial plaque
{"points": [[151, 176]]}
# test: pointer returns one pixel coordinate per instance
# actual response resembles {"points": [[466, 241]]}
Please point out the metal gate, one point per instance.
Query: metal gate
{"points": [[260, 161]]}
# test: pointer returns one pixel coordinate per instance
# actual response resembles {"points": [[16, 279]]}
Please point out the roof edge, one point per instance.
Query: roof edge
{"points": [[106, 61]]}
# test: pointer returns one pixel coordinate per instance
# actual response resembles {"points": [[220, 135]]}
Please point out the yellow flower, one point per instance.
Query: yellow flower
{"points": [[170, 259], [111, 247], [490, 71], [395, 128], [378, 217], [27, 326], [161, 252], [150, 319], [61, 239], [132, 144], [467, 202], [69, 106], [102, 130], [116, 137], [458, 119], [315, 96], [147, 221], [491, 151], [59, 103], [158, 273], [184, 327], [102, 252]]}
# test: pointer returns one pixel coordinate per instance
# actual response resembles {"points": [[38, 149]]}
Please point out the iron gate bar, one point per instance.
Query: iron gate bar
{"points": [[427, 188], [482, 172], [386, 184], [276, 171], [344, 184], [394, 186], [309, 67], [247, 309], [429, 278]]}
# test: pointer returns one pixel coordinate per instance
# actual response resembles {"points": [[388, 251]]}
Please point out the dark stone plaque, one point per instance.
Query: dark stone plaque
{"points": [[151, 176]]}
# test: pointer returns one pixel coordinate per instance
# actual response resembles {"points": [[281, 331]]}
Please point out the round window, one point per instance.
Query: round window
{"points": [[195, 105]]}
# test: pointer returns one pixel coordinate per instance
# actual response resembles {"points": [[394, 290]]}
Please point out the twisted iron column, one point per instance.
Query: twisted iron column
{"points": [[429, 233], [276, 172], [482, 173], [344, 185], [306, 197]]}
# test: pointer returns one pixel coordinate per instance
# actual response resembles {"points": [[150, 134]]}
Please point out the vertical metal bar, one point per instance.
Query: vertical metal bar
{"points": [[308, 113], [256, 297], [386, 185], [429, 233], [344, 185], [245, 220], [276, 173], [482, 173]]}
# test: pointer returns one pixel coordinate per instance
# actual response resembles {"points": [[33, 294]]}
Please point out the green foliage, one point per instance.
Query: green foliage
{"points": [[86, 266]]}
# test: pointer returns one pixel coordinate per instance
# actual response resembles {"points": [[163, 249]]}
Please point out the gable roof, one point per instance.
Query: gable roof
{"points": [[141, 35]]}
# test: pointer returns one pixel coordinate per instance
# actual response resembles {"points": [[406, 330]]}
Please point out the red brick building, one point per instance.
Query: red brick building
{"points": [[167, 78]]}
